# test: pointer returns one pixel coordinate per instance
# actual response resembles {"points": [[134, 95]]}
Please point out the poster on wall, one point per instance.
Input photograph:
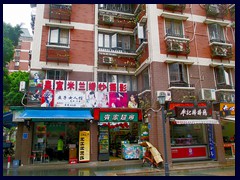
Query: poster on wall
{"points": [[91, 98], [212, 150], [117, 99], [84, 146], [34, 95], [132, 100], [47, 98], [70, 98], [36, 78], [102, 99]]}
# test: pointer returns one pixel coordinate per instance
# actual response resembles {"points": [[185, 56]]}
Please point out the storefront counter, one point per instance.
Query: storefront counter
{"points": [[132, 151], [189, 152]]}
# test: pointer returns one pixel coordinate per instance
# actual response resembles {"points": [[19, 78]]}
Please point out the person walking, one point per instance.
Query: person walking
{"points": [[60, 148]]}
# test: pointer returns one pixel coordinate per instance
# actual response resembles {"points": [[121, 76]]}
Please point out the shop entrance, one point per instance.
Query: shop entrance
{"points": [[46, 135], [120, 140]]}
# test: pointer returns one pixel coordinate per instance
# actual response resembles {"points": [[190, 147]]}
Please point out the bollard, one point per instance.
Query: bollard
{"points": [[9, 162]]}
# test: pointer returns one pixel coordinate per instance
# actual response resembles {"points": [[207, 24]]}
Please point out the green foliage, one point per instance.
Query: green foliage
{"points": [[13, 97], [8, 51], [12, 33]]}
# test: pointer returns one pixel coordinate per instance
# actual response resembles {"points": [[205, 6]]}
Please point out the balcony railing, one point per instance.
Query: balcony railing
{"points": [[174, 7], [181, 84], [125, 8], [221, 50], [117, 50], [57, 54], [232, 12], [216, 10], [177, 46], [61, 12]]}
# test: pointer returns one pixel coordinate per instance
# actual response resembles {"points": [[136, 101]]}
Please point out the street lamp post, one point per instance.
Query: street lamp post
{"points": [[161, 99]]}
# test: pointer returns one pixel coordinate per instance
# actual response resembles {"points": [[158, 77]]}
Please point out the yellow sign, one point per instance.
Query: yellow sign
{"points": [[227, 109], [84, 146]]}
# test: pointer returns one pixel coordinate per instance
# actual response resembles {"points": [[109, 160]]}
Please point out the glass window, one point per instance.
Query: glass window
{"points": [[223, 76], [57, 75], [130, 80], [174, 28], [178, 72], [190, 134], [59, 36], [216, 33], [146, 80]]}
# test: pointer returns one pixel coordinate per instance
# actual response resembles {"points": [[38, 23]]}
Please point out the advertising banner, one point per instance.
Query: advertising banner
{"points": [[84, 146]]}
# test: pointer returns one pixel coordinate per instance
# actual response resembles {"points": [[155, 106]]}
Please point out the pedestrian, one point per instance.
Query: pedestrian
{"points": [[60, 148]]}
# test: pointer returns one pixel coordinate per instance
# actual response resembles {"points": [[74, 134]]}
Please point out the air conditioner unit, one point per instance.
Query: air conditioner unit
{"points": [[107, 60], [16, 63], [214, 9], [176, 46], [108, 19], [168, 96], [207, 94]]}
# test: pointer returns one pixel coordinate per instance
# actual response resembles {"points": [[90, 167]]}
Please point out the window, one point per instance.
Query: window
{"points": [[174, 28], [145, 80], [130, 80], [59, 37], [116, 41], [223, 76], [178, 73], [216, 33], [17, 53], [56, 75]]}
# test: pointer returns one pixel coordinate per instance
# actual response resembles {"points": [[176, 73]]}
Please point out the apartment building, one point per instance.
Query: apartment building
{"points": [[99, 69], [22, 54]]}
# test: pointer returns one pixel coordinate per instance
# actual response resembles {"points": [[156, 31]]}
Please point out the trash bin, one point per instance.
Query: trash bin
{"points": [[16, 163]]}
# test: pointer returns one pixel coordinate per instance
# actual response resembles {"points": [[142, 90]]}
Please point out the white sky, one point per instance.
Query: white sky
{"points": [[17, 14]]}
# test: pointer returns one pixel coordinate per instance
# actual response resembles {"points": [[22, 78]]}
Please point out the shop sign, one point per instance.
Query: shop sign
{"points": [[188, 152], [118, 117], [191, 112], [211, 142], [227, 109], [84, 146]]}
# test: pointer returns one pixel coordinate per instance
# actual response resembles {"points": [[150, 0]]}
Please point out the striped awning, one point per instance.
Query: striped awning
{"points": [[197, 121]]}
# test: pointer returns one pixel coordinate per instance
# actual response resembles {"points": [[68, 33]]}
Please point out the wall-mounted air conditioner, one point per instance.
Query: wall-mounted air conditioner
{"points": [[108, 19], [168, 96], [107, 60], [207, 94]]}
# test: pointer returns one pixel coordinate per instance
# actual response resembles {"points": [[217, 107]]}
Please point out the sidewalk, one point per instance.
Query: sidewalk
{"points": [[118, 163]]}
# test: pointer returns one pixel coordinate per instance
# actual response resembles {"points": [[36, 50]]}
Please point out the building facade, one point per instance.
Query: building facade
{"points": [[107, 55]]}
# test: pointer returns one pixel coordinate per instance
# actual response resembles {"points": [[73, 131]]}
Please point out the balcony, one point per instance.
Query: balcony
{"points": [[177, 45], [117, 51], [221, 50], [174, 7], [58, 54], [60, 12], [216, 10], [122, 8]]}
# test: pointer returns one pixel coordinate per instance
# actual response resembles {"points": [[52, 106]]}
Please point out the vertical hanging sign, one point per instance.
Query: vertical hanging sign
{"points": [[212, 149], [84, 146]]}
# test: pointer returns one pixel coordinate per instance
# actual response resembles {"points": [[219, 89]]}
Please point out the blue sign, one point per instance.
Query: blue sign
{"points": [[212, 149], [25, 135]]}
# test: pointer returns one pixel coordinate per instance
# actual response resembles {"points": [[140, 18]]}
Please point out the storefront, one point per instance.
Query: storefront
{"points": [[119, 131], [227, 115], [192, 136], [51, 123]]}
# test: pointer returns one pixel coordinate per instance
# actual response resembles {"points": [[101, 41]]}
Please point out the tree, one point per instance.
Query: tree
{"points": [[13, 97], [10, 40]]}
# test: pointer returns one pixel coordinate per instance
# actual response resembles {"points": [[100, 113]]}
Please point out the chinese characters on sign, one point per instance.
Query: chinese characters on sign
{"points": [[118, 117], [191, 112], [84, 146]]}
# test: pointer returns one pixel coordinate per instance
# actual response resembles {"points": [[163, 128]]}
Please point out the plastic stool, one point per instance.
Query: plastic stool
{"points": [[46, 158], [32, 158]]}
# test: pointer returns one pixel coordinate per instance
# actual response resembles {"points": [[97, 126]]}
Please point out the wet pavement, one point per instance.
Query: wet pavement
{"points": [[121, 168]]}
